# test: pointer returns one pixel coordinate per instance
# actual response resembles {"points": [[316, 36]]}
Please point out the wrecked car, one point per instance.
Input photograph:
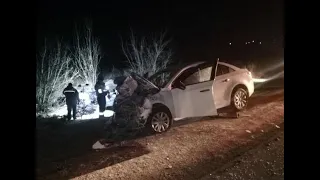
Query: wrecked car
{"points": [[196, 90]]}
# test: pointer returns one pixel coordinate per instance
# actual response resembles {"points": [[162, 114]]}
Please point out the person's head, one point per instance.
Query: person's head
{"points": [[70, 85]]}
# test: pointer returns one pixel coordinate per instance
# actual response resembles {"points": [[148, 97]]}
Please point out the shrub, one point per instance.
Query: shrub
{"points": [[53, 73]]}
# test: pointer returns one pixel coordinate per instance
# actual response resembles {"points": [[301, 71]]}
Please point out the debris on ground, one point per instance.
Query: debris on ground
{"points": [[98, 145]]}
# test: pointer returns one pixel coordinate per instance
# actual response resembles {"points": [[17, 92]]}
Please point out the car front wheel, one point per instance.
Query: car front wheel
{"points": [[239, 99], [160, 120]]}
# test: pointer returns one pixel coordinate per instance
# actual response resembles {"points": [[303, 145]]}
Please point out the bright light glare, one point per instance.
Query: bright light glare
{"points": [[273, 67], [108, 113], [85, 97], [95, 115], [280, 74], [61, 111], [258, 80], [273, 76]]}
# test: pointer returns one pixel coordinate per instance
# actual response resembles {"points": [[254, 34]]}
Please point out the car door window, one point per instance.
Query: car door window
{"points": [[201, 75]]}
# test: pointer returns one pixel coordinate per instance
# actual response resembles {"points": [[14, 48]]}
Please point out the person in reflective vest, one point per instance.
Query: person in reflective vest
{"points": [[72, 99], [100, 88]]}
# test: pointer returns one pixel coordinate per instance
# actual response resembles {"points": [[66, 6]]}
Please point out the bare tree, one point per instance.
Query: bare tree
{"points": [[53, 73], [87, 55], [114, 72], [147, 55]]}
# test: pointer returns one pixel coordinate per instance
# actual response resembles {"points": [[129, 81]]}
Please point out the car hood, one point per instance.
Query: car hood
{"points": [[146, 85]]}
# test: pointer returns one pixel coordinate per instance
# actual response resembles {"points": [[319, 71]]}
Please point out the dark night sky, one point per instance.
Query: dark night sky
{"points": [[200, 31]]}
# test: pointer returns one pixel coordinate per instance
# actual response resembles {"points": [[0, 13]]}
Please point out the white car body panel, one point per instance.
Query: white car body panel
{"points": [[189, 102], [193, 103], [224, 85]]}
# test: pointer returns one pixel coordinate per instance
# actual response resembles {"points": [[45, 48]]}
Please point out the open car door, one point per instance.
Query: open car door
{"points": [[193, 92]]}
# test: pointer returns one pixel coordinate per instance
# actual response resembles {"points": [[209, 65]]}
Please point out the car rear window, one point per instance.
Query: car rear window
{"points": [[222, 69]]}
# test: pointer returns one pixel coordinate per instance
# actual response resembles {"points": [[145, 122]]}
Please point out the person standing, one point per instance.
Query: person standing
{"points": [[72, 99], [101, 95]]}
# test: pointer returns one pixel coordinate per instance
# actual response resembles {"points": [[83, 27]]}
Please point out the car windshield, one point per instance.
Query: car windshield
{"points": [[161, 78]]}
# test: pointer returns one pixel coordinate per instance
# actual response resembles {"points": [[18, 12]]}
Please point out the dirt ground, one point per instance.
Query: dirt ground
{"points": [[192, 149], [264, 162]]}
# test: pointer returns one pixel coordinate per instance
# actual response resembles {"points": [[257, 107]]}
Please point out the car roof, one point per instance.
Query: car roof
{"points": [[184, 65], [230, 65]]}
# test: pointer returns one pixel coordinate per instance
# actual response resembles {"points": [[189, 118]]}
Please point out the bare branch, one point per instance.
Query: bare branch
{"points": [[54, 72], [87, 54], [147, 55]]}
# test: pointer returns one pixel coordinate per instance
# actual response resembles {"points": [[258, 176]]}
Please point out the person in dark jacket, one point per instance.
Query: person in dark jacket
{"points": [[72, 99], [101, 94]]}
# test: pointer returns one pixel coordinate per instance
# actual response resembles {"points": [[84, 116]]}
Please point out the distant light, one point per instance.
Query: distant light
{"points": [[246, 42], [253, 41], [259, 42], [230, 44]]}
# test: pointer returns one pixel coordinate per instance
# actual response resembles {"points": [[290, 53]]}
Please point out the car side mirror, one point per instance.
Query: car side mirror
{"points": [[179, 85]]}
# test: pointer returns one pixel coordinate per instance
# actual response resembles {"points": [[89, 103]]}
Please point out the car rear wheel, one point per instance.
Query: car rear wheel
{"points": [[160, 120], [239, 99]]}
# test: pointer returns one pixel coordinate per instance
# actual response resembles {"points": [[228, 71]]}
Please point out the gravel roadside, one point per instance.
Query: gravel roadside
{"points": [[266, 162]]}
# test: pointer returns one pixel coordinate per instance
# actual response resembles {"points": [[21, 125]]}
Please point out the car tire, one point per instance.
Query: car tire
{"points": [[159, 120], [239, 99]]}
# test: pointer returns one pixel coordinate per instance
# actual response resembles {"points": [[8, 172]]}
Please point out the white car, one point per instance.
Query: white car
{"points": [[196, 90]]}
